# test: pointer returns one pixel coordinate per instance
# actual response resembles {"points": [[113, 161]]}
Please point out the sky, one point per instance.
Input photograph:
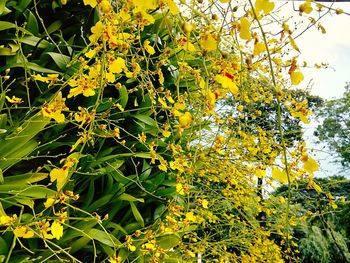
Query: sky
{"points": [[332, 48]]}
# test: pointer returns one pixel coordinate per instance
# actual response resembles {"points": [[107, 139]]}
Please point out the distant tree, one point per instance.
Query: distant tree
{"points": [[324, 237], [335, 125]]}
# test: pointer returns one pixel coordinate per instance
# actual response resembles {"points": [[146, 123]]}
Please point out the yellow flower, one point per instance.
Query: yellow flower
{"points": [[120, 107], [310, 165], [53, 109], [14, 100], [264, 5], [150, 50], [142, 137], [115, 259], [49, 202], [227, 83], [92, 3], [105, 6], [191, 217], [259, 47], [144, 5], [59, 174], [279, 175], [56, 230], [185, 120], [296, 77], [163, 165], [179, 189], [97, 31], [23, 231], [44, 228], [305, 7], [205, 203], [116, 132], [50, 78], [6, 220], [174, 10], [244, 29], [143, 18], [208, 41], [117, 66]]}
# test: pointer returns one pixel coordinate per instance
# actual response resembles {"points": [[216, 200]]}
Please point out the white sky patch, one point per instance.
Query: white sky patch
{"points": [[332, 48]]}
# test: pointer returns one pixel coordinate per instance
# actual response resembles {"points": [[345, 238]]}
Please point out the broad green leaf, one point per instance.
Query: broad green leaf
{"points": [[137, 214], [36, 42], [60, 60], [103, 237], [146, 119], [5, 11], [2, 100], [32, 23], [79, 229], [33, 66], [26, 201], [4, 246], [30, 129], [116, 163], [2, 6], [3, 121], [27, 178], [2, 211], [168, 241], [18, 154], [100, 202], [130, 198], [5, 51], [22, 5], [123, 96], [79, 244], [35, 191], [54, 27], [1, 177], [6, 25], [116, 227]]}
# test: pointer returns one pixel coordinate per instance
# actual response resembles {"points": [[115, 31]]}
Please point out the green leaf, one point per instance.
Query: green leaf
{"points": [[22, 5], [54, 27], [36, 42], [2, 6], [17, 141], [130, 198], [168, 241], [100, 202], [16, 155], [3, 121], [1, 177], [32, 23], [123, 96], [26, 201], [79, 244], [137, 214], [4, 247], [5, 51], [25, 179], [103, 237], [146, 119], [35, 191], [60, 59], [2, 101], [6, 25]]}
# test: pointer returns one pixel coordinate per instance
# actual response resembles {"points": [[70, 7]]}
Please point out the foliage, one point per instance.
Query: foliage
{"points": [[113, 147], [324, 236], [333, 130]]}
